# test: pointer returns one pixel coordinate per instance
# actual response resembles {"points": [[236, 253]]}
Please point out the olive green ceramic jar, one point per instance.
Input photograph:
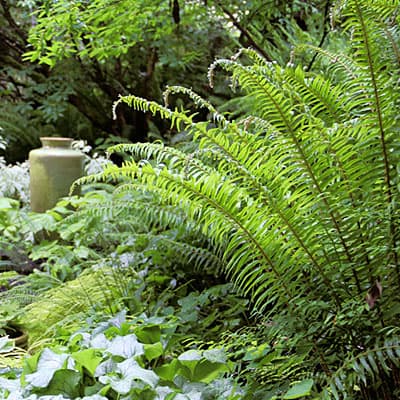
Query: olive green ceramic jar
{"points": [[53, 169]]}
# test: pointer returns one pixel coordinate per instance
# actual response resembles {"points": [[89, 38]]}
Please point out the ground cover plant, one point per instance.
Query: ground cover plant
{"points": [[157, 297], [120, 359]]}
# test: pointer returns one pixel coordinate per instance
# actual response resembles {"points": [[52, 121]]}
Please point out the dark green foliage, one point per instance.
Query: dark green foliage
{"points": [[60, 71], [61, 85]]}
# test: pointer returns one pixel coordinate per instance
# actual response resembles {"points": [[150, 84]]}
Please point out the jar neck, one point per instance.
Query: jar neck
{"points": [[60, 142]]}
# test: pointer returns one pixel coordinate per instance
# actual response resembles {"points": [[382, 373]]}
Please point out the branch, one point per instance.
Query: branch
{"points": [[324, 33], [11, 20], [11, 43], [97, 116], [244, 31]]}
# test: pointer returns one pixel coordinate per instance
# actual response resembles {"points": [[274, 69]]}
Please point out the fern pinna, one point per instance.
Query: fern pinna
{"points": [[301, 197]]}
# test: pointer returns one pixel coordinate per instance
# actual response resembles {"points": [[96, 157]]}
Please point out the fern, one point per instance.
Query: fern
{"points": [[299, 198], [67, 304], [145, 220], [367, 368]]}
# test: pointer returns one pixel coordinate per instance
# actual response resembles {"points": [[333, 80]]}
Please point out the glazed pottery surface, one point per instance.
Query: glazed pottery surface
{"points": [[53, 169]]}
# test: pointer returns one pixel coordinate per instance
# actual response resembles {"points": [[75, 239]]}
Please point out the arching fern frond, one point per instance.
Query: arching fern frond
{"points": [[199, 101], [316, 95]]}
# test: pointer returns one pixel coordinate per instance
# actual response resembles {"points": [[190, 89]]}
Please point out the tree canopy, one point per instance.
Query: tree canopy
{"points": [[65, 62]]}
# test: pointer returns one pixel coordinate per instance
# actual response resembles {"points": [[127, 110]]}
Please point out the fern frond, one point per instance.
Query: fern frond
{"points": [[294, 195], [162, 155], [363, 370], [203, 197], [199, 101], [237, 152], [316, 95], [241, 155], [176, 117], [338, 63], [366, 23], [196, 257], [392, 34], [270, 101], [279, 112], [71, 302]]}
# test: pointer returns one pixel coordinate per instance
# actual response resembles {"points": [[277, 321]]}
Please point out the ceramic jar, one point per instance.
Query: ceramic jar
{"points": [[53, 169]]}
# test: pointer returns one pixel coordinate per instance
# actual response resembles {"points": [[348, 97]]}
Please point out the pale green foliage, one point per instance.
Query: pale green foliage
{"points": [[301, 197], [14, 181], [102, 29], [69, 303]]}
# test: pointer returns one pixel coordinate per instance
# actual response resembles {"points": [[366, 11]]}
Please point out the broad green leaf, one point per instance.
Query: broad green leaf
{"points": [[64, 382], [82, 252], [215, 356], [168, 371], [148, 334], [121, 385], [31, 364], [300, 389], [127, 373], [190, 355], [41, 221], [189, 360], [88, 358], [97, 388], [6, 202], [68, 232], [206, 371], [152, 351]]}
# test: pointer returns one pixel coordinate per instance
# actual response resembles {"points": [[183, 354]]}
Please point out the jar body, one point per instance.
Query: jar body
{"points": [[53, 169]]}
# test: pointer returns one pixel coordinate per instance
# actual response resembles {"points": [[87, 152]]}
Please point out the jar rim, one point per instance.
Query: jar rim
{"points": [[56, 140]]}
